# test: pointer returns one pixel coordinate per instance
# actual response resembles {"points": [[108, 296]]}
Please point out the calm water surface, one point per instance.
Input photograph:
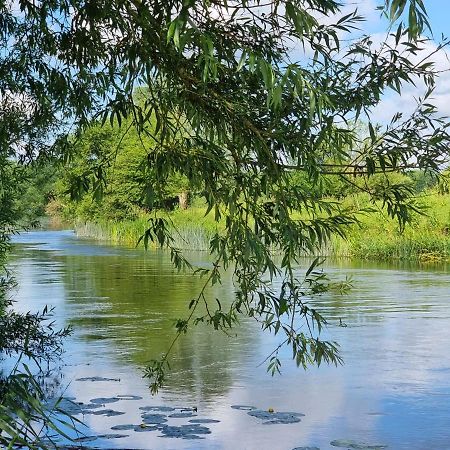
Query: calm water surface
{"points": [[394, 388]]}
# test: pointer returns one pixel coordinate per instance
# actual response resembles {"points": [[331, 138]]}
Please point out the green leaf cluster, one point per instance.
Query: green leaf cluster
{"points": [[233, 97]]}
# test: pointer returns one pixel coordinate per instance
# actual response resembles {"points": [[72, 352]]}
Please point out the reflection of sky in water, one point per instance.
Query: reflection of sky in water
{"points": [[394, 388]]}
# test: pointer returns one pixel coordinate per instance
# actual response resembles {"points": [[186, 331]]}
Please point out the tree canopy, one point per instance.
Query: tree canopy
{"points": [[234, 96]]}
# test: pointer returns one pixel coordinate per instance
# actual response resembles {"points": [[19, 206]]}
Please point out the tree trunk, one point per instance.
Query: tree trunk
{"points": [[183, 199]]}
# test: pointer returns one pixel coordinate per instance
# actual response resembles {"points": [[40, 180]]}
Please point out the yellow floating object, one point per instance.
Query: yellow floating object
{"points": [[270, 410]]}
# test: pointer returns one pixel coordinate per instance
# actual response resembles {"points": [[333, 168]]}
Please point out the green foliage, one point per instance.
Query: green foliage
{"points": [[426, 237], [443, 186], [23, 414], [228, 107], [375, 237], [108, 178], [35, 190], [26, 416], [422, 181]]}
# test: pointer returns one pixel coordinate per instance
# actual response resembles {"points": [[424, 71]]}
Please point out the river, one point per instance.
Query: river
{"points": [[393, 390]]}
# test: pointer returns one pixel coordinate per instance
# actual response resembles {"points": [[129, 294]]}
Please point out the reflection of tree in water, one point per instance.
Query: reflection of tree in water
{"points": [[134, 301]]}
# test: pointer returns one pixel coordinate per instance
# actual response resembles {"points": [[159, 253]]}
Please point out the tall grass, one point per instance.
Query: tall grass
{"points": [[377, 237], [425, 238], [190, 230]]}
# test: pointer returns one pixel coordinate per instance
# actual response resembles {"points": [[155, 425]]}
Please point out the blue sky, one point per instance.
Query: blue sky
{"points": [[439, 18], [438, 13]]}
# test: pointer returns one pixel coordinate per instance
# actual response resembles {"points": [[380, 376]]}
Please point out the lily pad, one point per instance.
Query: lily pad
{"points": [[157, 408], [104, 400], [306, 448], [143, 427], [85, 439], [66, 405], [192, 437], [294, 413], [123, 427], [348, 443], [97, 379], [129, 397], [196, 428], [106, 412], [271, 418], [73, 408], [153, 418], [185, 431], [285, 421], [243, 407], [90, 405], [204, 421]]}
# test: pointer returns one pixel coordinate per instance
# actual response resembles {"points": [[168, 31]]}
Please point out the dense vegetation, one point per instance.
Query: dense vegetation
{"points": [[250, 106], [121, 213], [118, 209]]}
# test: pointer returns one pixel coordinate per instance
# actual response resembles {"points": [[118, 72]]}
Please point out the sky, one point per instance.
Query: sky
{"points": [[439, 16], [439, 19]]}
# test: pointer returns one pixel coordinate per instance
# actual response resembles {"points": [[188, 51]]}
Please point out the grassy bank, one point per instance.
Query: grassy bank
{"points": [[190, 229], [426, 238], [377, 237]]}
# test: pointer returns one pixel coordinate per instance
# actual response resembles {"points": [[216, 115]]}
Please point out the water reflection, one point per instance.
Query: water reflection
{"points": [[128, 300], [394, 388], [133, 302]]}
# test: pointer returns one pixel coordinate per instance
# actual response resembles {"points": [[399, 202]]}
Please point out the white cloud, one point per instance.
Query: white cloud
{"points": [[392, 102], [406, 101]]}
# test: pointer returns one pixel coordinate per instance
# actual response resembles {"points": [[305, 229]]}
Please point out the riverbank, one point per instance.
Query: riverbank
{"points": [[377, 237], [191, 230]]}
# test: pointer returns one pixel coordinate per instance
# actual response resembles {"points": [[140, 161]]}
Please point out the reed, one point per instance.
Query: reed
{"points": [[378, 237], [187, 234]]}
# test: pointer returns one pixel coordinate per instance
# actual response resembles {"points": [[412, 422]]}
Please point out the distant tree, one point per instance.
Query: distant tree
{"points": [[108, 177], [36, 187], [422, 180]]}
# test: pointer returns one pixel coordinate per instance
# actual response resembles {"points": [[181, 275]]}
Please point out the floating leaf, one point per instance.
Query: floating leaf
{"points": [[350, 444]]}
